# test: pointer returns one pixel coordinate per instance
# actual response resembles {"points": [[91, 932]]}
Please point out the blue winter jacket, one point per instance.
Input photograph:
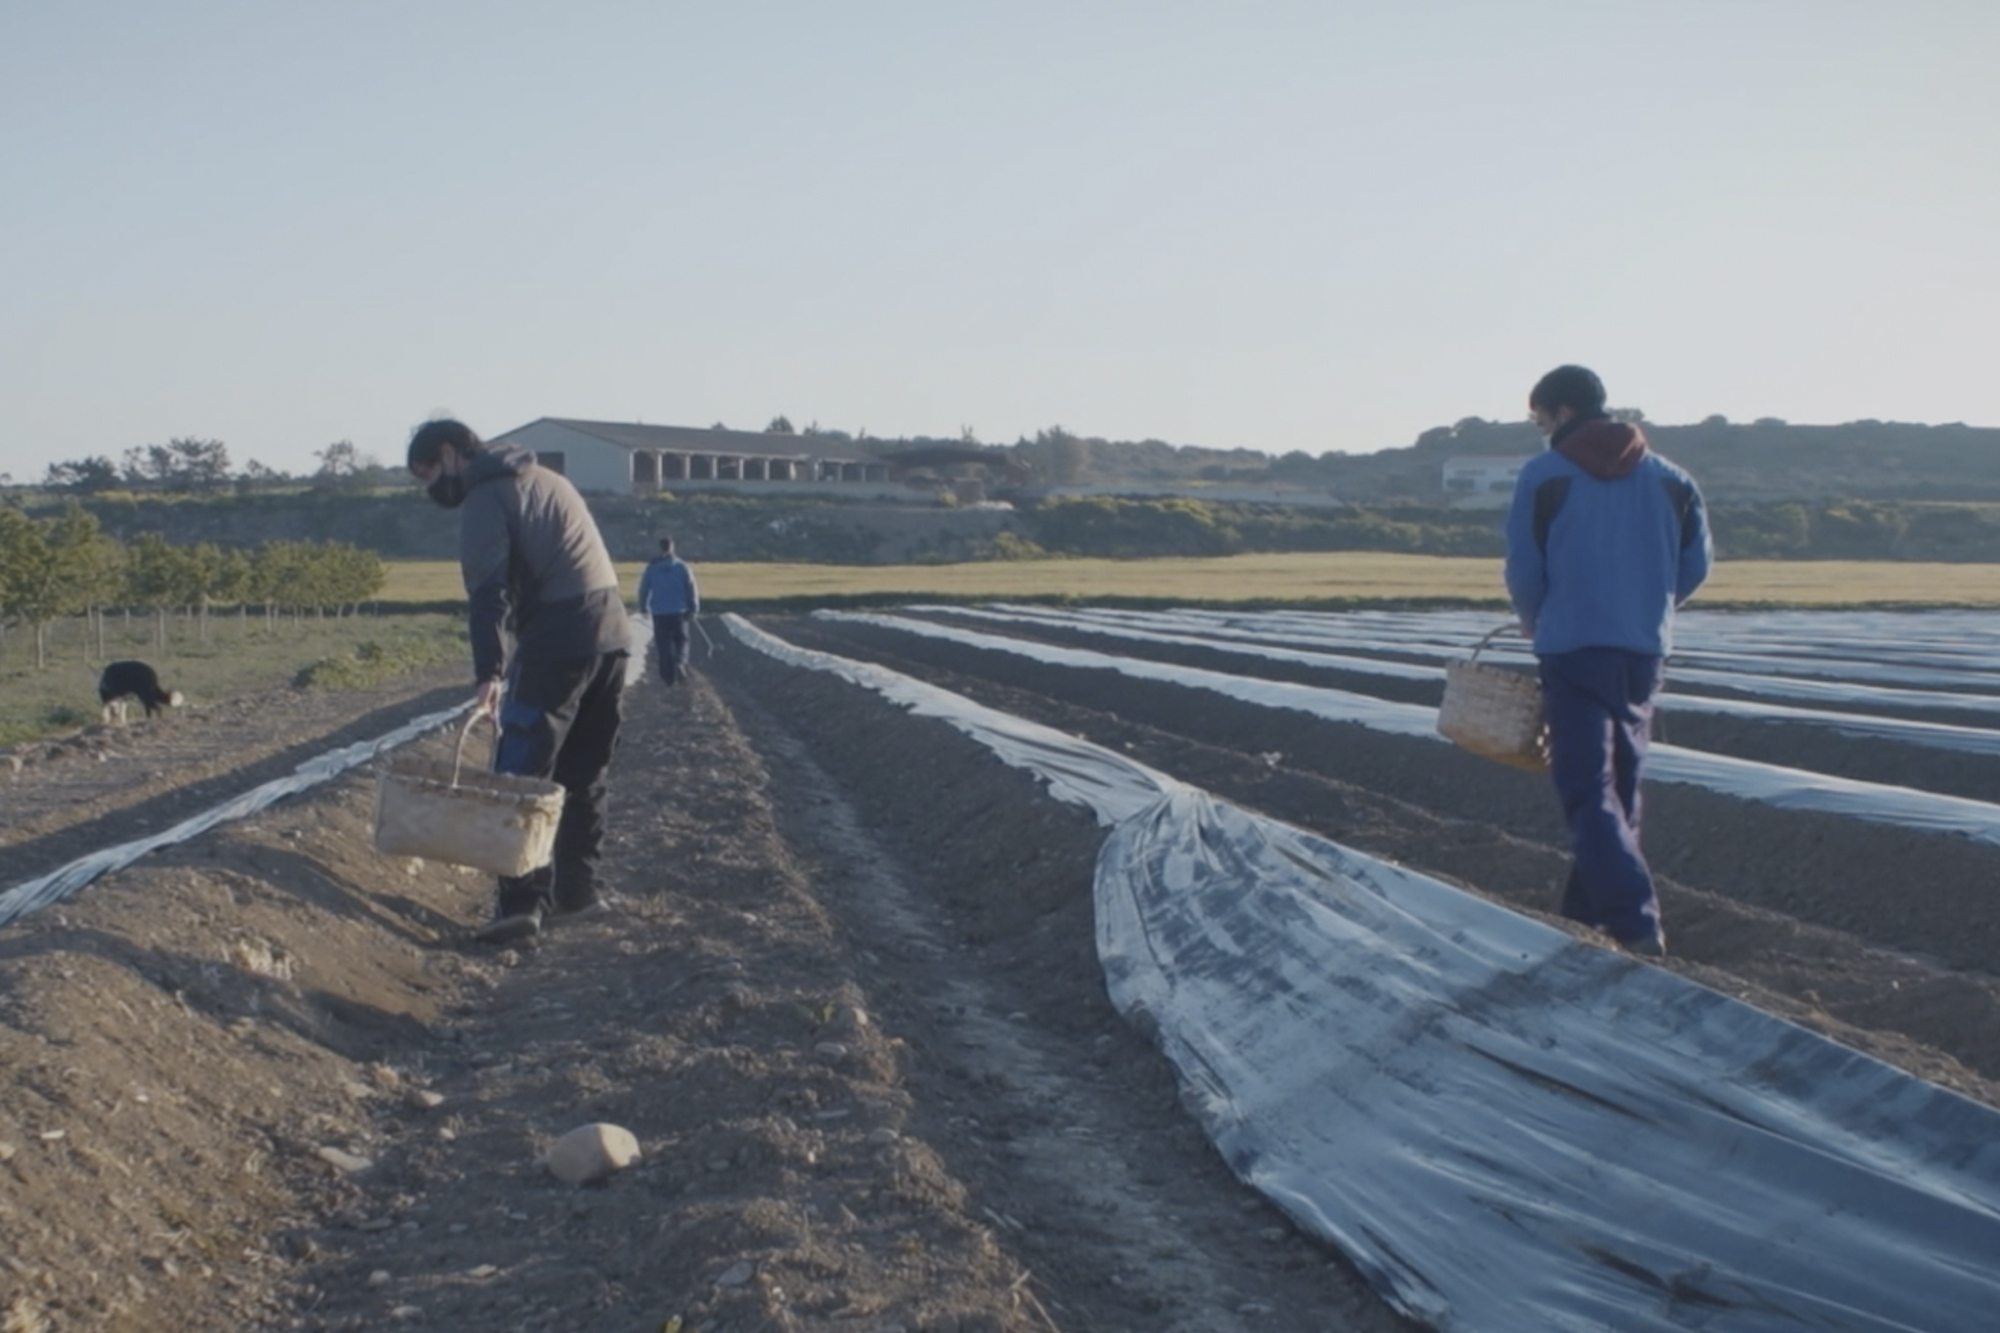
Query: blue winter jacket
{"points": [[667, 588], [1604, 540]]}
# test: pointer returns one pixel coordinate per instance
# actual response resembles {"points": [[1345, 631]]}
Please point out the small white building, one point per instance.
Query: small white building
{"points": [[620, 459], [1481, 482]]}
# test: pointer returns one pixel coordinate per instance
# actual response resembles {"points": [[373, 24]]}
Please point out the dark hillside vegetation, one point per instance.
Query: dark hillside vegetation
{"points": [[1866, 490], [1764, 462], [819, 530]]}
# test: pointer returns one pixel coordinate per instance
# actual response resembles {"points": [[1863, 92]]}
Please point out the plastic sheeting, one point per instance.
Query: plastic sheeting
{"points": [[1510, 1130], [1443, 635], [1966, 640], [1507, 1129], [1450, 636], [60, 884], [1772, 784], [1931, 735], [1108, 783]]}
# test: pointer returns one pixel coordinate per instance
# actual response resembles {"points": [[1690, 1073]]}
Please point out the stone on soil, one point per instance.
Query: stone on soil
{"points": [[344, 1161], [592, 1152]]}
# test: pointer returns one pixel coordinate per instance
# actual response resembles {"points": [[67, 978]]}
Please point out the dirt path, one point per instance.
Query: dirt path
{"points": [[849, 1005], [872, 1069]]}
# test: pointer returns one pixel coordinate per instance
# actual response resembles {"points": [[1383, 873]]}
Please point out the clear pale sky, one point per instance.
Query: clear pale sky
{"points": [[1313, 225]]}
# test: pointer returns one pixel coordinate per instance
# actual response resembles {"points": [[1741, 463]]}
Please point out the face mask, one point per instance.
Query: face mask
{"points": [[448, 491]]}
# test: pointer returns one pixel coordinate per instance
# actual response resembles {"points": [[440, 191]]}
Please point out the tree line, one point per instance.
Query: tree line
{"points": [[66, 566], [1129, 528], [190, 466]]}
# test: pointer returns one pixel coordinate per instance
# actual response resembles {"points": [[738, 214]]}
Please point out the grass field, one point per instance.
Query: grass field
{"points": [[241, 656], [1305, 579]]}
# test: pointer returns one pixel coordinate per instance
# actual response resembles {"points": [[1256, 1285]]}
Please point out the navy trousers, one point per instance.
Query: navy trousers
{"points": [[670, 636], [560, 721], [1599, 705]]}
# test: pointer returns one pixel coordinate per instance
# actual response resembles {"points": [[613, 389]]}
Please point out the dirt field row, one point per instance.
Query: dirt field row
{"points": [[849, 1006]]}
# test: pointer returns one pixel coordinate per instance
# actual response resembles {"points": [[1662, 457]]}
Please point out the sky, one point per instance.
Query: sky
{"points": [[1270, 224]]}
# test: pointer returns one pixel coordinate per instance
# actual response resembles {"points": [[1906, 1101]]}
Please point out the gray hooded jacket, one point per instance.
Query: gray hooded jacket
{"points": [[537, 575]]}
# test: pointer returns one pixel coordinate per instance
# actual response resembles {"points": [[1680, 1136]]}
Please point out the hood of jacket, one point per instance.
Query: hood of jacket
{"points": [[493, 462], [1604, 448]]}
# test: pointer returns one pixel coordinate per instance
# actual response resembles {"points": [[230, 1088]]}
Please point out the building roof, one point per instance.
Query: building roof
{"points": [[695, 440]]}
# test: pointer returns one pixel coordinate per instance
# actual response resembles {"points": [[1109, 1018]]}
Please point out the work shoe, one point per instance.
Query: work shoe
{"points": [[510, 929], [597, 904], [1646, 946]]}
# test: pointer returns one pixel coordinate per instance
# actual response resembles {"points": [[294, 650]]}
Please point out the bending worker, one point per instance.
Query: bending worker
{"points": [[549, 643]]}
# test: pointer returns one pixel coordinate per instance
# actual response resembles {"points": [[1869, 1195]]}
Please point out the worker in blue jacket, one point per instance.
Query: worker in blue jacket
{"points": [[1605, 540], [668, 594]]}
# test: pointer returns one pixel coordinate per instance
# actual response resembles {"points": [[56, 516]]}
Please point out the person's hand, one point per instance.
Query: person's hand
{"points": [[487, 701]]}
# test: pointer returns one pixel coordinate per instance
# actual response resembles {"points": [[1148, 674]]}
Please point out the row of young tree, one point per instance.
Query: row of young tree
{"points": [[65, 566], [190, 466]]}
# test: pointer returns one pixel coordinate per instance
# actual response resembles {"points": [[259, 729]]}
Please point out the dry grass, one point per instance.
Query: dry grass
{"points": [[1303, 578]]}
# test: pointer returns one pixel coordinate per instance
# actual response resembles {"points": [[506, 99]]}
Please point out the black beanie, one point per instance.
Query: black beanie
{"points": [[1569, 386]]}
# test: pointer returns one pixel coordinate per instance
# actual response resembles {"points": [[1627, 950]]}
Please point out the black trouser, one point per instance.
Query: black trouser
{"points": [[670, 636], [560, 721]]}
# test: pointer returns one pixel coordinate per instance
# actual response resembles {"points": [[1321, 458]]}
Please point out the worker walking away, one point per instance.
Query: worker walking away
{"points": [[668, 594], [1605, 540], [550, 639]]}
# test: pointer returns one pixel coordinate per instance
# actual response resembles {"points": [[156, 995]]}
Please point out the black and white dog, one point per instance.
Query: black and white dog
{"points": [[133, 680]]}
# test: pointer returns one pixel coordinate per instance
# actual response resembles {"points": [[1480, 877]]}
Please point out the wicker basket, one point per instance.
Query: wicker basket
{"points": [[1495, 712], [489, 821]]}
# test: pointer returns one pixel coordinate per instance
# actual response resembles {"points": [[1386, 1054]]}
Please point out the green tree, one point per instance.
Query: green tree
{"points": [[343, 576], [229, 579], [18, 540], [342, 467], [84, 474], [160, 577], [181, 464], [1057, 456], [52, 568]]}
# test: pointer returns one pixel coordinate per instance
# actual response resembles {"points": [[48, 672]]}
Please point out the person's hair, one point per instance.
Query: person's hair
{"points": [[430, 439], [1569, 386], [667, 545]]}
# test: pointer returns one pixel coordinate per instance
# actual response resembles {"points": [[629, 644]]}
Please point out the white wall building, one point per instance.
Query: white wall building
{"points": [[620, 459], [1481, 482]]}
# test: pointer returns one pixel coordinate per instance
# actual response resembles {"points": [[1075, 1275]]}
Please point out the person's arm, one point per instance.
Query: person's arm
{"points": [[646, 590], [1697, 551], [694, 593], [1526, 569], [483, 548]]}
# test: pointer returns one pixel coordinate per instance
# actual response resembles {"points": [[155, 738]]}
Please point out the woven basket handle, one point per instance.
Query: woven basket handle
{"points": [[1491, 636], [458, 756]]}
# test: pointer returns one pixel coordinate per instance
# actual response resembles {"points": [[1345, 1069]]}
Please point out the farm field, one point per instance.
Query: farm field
{"points": [[238, 656], [851, 1004], [1289, 578]]}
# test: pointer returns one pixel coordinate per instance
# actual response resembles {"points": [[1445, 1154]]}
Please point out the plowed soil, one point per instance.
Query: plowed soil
{"points": [[848, 1004]]}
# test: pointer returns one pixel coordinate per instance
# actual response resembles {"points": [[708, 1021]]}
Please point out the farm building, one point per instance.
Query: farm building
{"points": [[622, 459], [1480, 482]]}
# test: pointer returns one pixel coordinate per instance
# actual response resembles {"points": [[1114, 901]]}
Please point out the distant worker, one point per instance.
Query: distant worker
{"points": [[549, 644], [1605, 540], [668, 594]]}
